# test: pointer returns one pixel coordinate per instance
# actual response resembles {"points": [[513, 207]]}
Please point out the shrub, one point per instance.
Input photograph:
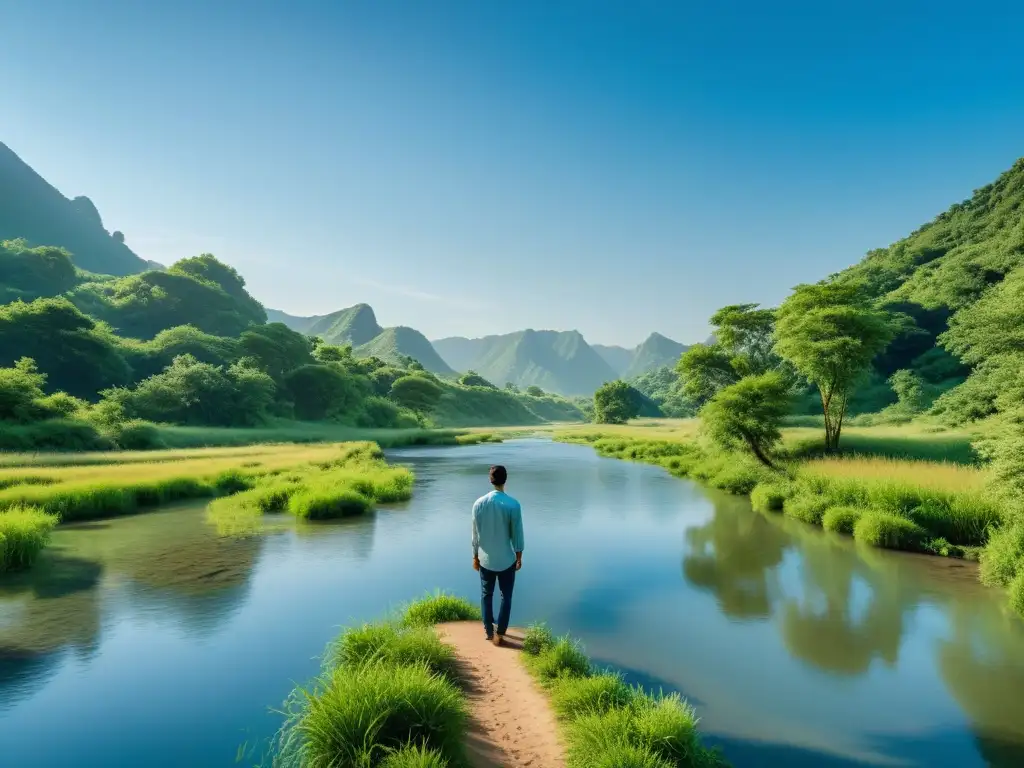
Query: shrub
{"points": [[137, 435], [439, 608], [575, 696], [885, 529], [324, 503], [24, 532], [232, 481], [564, 659], [1003, 556], [415, 757], [770, 497], [357, 717], [393, 644], [841, 519], [607, 740], [538, 639], [667, 726], [807, 507], [1017, 591], [737, 478]]}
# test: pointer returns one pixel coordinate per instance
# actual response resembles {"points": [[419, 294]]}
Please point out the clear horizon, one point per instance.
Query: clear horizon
{"points": [[471, 170]]}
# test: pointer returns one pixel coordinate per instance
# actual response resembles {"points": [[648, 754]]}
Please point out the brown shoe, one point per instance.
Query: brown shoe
{"points": [[498, 639]]}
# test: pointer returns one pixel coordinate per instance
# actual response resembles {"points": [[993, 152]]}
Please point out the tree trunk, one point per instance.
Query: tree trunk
{"points": [[758, 452]]}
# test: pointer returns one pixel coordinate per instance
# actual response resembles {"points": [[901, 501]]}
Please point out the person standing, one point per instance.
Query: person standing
{"points": [[497, 551]]}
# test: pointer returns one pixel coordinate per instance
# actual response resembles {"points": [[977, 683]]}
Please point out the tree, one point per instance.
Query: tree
{"points": [[325, 391], [615, 403], [534, 391], [742, 347], [417, 393], [21, 389], [277, 348], [749, 413], [30, 273], [474, 379], [830, 332], [510, 386]]}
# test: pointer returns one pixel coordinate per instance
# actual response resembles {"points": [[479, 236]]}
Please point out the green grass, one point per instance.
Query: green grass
{"points": [[301, 432], [24, 532], [807, 507], [325, 503], [355, 717], [770, 496], [415, 757], [841, 519], [889, 530], [393, 644], [606, 723], [439, 608]]}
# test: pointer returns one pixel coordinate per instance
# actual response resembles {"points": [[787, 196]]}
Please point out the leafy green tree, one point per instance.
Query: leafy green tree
{"points": [[21, 389], [329, 353], [191, 392], [749, 413], [382, 379], [417, 393], [830, 333], [474, 379], [276, 348], [910, 390], [325, 391], [78, 355], [29, 273], [150, 357], [742, 347], [510, 386], [208, 268], [534, 391], [615, 403]]}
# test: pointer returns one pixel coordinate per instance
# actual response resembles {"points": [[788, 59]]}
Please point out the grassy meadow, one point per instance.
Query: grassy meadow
{"points": [[310, 481]]}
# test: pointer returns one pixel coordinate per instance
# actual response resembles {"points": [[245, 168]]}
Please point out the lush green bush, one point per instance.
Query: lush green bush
{"points": [[439, 608], [538, 639], [324, 503], [24, 532], [562, 660], [770, 497], [615, 402], [892, 531], [53, 435], [807, 507], [841, 519], [31, 273]]}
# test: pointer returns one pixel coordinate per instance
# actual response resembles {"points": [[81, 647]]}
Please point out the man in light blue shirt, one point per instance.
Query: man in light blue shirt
{"points": [[497, 550]]}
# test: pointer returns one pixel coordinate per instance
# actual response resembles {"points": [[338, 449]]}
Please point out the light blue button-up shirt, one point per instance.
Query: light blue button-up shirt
{"points": [[497, 530]]}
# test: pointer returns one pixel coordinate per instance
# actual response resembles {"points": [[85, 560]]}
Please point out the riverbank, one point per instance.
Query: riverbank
{"points": [[937, 508], [425, 690], [309, 481]]}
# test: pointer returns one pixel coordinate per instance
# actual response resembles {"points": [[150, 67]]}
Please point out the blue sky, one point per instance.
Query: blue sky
{"points": [[471, 168]]}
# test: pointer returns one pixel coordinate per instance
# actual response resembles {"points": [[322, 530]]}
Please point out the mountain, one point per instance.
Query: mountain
{"points": [[358, 326], [618, 358], [656, 351], [556, 361], [33, 210], [394, 343]]}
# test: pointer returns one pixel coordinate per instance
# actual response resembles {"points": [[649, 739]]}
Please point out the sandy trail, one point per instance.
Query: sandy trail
{"points": [[512, 723]]}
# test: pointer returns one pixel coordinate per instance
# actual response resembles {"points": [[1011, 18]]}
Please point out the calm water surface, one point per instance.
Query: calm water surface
{"points": [[150, 641]]}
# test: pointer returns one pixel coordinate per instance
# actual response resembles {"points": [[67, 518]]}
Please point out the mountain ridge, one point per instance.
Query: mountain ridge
{"points": [[34, 210]]}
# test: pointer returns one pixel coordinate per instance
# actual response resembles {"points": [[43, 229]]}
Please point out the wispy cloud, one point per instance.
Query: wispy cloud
{"points": [[415, 293]]}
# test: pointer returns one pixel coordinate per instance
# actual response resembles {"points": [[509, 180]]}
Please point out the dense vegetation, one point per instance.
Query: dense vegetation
{"points": [[88, 362]]}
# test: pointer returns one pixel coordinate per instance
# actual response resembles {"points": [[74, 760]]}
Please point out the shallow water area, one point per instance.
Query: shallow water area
{"points": [[153, 641]]}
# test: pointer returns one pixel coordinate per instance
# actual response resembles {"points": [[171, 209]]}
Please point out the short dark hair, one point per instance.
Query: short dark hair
{"points": [[497, 475]]}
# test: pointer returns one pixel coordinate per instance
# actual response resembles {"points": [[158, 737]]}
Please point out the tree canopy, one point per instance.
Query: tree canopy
{"points": [[615, 403]]}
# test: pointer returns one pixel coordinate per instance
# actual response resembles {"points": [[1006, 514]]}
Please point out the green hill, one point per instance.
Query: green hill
{"points": [[555, 361], [358, 326], [30, 208], [961, 277], [394, 344], [655, 352]]}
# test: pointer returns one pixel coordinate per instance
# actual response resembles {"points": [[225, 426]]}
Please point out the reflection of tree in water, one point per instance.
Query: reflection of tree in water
{"points": [[52, 608], [731, 556], [982, 664], [823, 628]]}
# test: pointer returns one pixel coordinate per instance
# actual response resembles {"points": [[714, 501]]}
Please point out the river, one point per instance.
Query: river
{"points": [[150, 641]]}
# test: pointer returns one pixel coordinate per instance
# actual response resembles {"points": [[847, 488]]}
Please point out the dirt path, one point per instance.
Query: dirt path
{"points": [[512, 723]]}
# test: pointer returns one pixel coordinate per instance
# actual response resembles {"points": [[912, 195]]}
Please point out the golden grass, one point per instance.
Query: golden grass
{"points": [[933, 475]]}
